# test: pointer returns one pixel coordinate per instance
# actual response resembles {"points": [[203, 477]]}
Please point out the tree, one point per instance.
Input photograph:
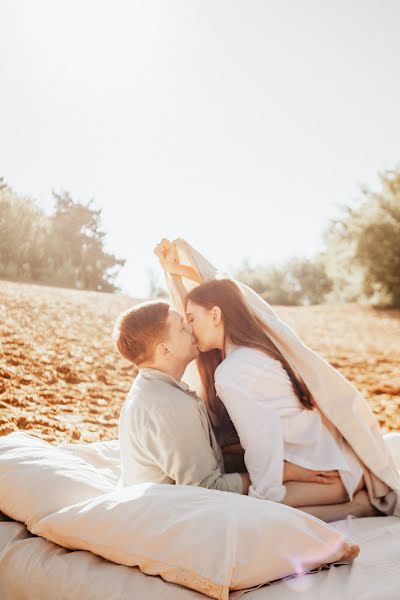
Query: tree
{"points": [[78, 243], [296, 282], [22, 224], [310, 279], [65, 249], [363, 246], [156, 289]]}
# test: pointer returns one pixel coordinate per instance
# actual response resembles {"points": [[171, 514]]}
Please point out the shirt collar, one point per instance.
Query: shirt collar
{"points": [[150, 373]]}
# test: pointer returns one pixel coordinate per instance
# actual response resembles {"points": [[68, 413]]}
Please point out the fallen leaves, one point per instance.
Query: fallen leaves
{"points": [[62, 380]]}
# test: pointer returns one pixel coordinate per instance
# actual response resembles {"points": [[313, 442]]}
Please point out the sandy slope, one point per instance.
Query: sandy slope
{"points": [[60, 377]]}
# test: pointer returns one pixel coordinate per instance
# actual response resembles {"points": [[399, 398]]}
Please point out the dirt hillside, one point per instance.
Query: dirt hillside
{"points": [[61, 379]]}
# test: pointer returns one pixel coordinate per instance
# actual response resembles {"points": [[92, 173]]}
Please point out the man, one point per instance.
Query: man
{"points": [[164, 430]]}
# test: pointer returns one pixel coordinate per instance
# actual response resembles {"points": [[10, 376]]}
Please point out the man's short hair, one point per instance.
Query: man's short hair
{"points": [[139, 329]]}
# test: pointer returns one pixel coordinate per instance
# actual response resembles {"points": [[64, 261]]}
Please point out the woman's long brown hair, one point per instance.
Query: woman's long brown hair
{"points": [[244, 329]]}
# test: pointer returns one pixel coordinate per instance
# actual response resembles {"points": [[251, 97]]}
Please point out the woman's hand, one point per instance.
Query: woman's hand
{"points": [[167, 254], [293, 472]]}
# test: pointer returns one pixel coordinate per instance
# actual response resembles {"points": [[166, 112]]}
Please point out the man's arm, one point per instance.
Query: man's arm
{"points": [[174, 438], [245, 482]]}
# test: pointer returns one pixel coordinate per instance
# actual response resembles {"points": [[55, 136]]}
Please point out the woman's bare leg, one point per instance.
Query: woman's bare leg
{"points": [[329, 512], [360, 506], [329, 502], [299, 493]]}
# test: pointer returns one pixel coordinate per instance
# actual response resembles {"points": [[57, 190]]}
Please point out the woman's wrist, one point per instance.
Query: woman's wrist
{"points": [[185, 271]]}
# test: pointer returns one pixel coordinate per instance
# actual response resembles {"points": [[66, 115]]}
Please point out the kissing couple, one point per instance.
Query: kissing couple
{"points": [[228, 397]]}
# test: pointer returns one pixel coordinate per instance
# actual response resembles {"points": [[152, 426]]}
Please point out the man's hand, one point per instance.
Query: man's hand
{"points": [[245, 483], [293, 472]]}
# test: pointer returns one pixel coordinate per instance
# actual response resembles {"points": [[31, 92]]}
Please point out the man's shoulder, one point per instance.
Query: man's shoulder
{"points": [[148, 394]]}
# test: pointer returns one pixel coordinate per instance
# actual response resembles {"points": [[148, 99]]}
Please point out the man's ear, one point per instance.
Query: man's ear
{"points": [[162, 350], [216, 315]]}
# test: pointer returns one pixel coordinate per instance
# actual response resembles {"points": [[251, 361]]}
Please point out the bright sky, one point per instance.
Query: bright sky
{"points": [[237, 125]]}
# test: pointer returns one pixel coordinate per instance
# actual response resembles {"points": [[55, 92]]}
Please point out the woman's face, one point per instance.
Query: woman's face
{"points": [[203, 326]]}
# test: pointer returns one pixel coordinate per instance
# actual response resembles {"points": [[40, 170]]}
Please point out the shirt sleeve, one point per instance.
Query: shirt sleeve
{"points": [[258, 425], [175, 439]]}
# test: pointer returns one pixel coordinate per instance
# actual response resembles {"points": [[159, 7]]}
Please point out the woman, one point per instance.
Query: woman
{"points": [[273, 412]]}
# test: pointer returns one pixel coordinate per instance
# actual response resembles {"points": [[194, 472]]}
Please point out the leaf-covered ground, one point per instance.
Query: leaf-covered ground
{"points": [[61, 379]]}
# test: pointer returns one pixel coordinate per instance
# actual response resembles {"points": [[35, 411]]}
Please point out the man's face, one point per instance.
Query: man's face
{"points": [[180, 341]]}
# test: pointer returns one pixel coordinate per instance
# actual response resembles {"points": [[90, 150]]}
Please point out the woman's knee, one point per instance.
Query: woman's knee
{"points": [[342, 493], [336, 492]]}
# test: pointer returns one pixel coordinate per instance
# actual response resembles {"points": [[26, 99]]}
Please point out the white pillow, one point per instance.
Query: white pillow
{"points": [[206, 540], [37, 479]]}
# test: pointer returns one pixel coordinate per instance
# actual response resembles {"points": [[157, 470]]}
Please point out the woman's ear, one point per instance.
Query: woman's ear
{"points": [[216, 315]]}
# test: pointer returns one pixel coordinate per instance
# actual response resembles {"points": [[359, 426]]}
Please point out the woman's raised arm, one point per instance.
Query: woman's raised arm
{"points": [[167, 254]]}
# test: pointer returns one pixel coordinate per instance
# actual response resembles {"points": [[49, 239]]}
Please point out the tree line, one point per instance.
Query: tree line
{"points": [[65, 248], [359, 261]]}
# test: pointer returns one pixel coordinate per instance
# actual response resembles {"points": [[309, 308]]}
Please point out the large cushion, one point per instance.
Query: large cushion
{"points": [[206, 540], [37, 479]]}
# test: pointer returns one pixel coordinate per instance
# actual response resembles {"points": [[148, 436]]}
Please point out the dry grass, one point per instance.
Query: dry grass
{"points": [[61, 379]]}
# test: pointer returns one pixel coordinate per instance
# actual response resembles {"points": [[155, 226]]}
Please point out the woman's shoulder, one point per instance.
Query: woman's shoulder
{"points": [[242, 360], [248, 353]]}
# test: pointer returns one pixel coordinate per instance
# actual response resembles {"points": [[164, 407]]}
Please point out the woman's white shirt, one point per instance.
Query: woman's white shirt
{"points": [[274, 426]]}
